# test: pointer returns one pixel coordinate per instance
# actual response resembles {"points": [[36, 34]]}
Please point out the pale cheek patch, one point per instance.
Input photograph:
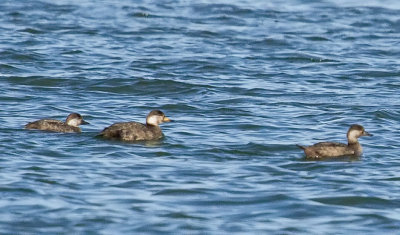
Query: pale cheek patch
{"points": [[73, 122], [153, 120], [353, 135]]}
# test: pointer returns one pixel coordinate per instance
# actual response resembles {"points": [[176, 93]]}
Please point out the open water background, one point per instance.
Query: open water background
{"points": [[244, 80]]}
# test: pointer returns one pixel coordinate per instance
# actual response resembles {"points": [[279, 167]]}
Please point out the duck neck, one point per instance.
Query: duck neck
{"points": [[352, 141], [351, 138], [151, 125]]}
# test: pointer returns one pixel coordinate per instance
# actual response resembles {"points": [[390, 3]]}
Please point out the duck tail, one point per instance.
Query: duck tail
{"points": [[31, 125], [101, 134], [302, 147]]}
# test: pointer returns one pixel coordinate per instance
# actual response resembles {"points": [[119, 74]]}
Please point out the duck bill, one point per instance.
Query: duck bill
{"points": [[367, 134], [84, 122], [165, 119]]}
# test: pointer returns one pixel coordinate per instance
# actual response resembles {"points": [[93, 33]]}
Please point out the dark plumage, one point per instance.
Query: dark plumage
{"points": [[331, 149], [134, 131], [70, 125]]}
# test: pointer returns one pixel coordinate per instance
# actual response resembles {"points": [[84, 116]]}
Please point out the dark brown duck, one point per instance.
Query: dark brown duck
{"points": [[70, 125], [331, 149], [134, 131]]}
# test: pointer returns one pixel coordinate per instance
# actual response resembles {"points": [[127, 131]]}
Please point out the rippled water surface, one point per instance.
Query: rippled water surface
{"points": [[245, 81]]}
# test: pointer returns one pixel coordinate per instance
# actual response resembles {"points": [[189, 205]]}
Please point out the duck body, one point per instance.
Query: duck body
{"points": [[71, 124], [331, 149], [52, 125], [134, 131]]}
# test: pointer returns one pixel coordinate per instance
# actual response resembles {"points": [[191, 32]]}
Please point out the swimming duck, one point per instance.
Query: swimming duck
{"points": [[331, 149], [133, 131], [70, 125]]}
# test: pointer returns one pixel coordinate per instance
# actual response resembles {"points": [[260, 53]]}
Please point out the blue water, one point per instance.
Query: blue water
{"points": [[244, 81]]}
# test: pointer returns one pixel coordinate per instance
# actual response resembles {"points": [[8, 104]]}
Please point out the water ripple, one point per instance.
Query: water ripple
{"points": [[244, 81]]}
